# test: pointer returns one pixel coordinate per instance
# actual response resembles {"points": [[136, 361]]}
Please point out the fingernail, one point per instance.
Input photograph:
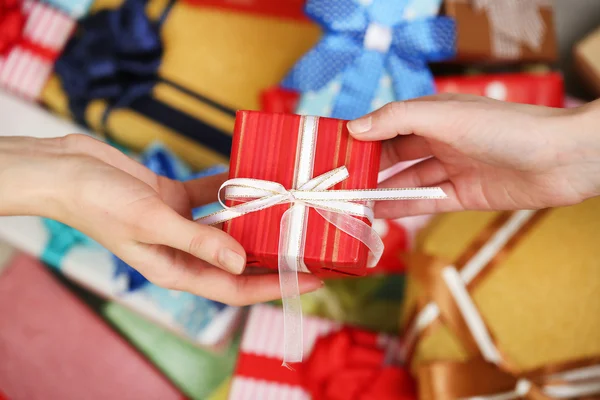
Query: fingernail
{"points": [[232, 261], [361, 125]]}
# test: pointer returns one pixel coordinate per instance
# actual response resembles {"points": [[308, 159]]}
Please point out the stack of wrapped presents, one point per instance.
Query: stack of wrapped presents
{"points": [[468, 305]]}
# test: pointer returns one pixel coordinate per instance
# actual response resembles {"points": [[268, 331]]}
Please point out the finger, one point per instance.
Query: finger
{"points": [[166, 227], [406, 148], [428, 172], [180, 271], [425, 117], [437, 117], [204, 190], [241, 290], [398, 209]]}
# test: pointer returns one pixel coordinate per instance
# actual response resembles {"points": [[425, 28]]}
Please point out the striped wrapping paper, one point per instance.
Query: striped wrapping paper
{"points": [[26, 67], [259, 373], [266, 146]]}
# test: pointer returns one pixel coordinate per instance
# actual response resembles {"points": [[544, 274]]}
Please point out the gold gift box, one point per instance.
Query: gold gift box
{"points": [[228, 57], [540, 300]]}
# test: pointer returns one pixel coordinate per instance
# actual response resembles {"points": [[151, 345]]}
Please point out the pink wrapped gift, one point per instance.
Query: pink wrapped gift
{"points": [[53, 347]]}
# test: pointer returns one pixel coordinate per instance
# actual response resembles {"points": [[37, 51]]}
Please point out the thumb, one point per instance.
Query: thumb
{"points": [[436, 117]]}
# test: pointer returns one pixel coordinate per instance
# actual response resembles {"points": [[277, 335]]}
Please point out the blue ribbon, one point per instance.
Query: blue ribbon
{"points": [[116, 57], [342, 51]]}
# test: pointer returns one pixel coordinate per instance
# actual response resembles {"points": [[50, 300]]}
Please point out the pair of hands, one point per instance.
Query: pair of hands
{"points": [[485, 154]]}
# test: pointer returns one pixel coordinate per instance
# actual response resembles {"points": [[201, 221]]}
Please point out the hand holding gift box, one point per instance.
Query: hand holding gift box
{"points": [[343, 363], [202, 321], [313, 165], [370, 47]]}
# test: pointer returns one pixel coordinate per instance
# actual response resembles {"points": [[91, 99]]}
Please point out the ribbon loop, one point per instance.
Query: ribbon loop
{"points": [[342, 208]]}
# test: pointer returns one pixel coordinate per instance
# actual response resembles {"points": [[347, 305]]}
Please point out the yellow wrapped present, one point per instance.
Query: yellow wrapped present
{"points": [[506, 305], [140, 71]]}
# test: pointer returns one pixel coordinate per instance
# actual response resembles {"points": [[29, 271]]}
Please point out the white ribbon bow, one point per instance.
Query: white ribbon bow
{"points": [[514, 22], [339, 207]]}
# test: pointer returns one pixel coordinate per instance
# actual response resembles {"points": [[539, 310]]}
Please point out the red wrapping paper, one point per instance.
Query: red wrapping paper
{"points": [[395, 240], [53, 347], [293, 9], [265, 146], [543, 90], [536, 89], [344, 363]]}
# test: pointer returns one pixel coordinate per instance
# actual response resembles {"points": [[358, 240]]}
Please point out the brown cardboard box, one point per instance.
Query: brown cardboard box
{"points": [[538, 298], [475, 35], [587, 61]]}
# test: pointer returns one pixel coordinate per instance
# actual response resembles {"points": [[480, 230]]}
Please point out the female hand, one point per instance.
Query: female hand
{"points": [[143, 218], [486, 154]]}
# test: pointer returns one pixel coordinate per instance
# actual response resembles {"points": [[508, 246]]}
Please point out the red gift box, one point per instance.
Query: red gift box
{"points": [[53, 347], [343, 363], [537, 89], [290, 149], [293, 9], [395, 240], [32, 35]]}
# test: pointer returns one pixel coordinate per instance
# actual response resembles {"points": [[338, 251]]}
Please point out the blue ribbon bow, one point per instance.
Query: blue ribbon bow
{"points": [[346, 47], [115, 59]]}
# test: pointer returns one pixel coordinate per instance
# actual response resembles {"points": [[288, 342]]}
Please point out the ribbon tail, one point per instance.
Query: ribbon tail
{"points": [[411, 78], [290, 291], [359, 83], [358, 230]]}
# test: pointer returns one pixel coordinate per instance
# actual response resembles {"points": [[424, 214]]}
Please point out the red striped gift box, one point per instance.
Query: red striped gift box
{"points": [[363, 369], [27, 61], [293, 9], [267, 146]]}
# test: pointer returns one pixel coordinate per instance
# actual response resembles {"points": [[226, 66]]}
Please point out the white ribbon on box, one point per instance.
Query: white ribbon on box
{"points": [[339, 207]]}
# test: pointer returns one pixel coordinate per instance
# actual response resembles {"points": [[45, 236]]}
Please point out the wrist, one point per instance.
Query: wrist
{"points": [[583, 132], [28, 176]]}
